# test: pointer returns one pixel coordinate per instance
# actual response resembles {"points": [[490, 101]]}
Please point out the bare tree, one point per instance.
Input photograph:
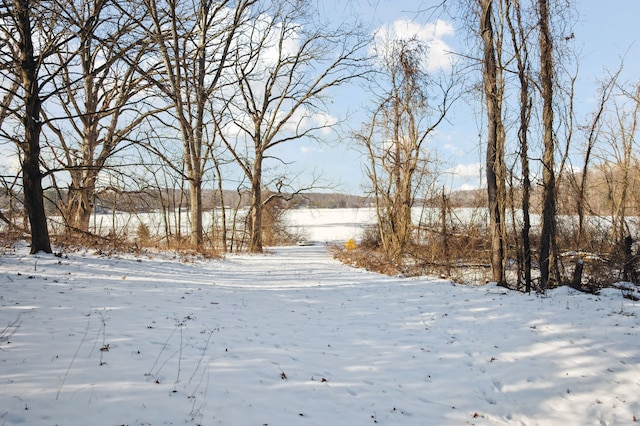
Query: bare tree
{"points": [[396, 135], [520, 44], [495, 166], [581, 181], [100, 92], [30, 37], [284, 65], [548, 255], [621, 136], [193, 42]]}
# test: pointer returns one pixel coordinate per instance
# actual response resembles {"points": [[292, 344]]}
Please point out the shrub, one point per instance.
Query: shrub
{"points": [[143, 234]]}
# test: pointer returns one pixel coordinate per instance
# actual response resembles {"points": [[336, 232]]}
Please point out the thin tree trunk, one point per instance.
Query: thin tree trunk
{"points": [[223, 208], [445, 232], [522, 57], [581, 202]]}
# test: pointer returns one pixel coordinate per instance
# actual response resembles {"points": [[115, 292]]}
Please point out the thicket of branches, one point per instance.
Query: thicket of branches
{"points": [[560, 205], [104, 99]]}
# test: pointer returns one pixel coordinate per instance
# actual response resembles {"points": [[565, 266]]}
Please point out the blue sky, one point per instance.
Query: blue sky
{"points": [[604, 33]]}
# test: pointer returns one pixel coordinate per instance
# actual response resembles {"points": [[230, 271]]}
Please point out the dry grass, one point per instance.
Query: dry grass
{"points": [[367, 258], [462, 255], [115, 244]]}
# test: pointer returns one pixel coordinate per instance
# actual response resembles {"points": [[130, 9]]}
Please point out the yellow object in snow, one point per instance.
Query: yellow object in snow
{"points": [[350, 245]]}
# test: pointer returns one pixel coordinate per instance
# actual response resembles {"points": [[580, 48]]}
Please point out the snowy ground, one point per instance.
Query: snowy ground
{"points": [[331, 225], [294, 338]]}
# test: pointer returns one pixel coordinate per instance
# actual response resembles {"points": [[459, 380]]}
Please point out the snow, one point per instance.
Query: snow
{"points": [[292, 337], [331, 225]]}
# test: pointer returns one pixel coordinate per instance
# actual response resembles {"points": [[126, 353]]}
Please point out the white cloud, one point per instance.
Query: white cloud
{"points": [[277, 48], [473, 170], [464, 176]]}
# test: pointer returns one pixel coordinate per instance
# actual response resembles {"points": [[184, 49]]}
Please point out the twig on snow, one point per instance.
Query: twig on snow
{"points": [[75, 355], [10, 330]]}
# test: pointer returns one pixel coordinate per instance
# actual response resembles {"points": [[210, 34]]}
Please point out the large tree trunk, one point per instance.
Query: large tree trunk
{"points": [[547, 237], [80, 205], [495, 160], [31, 175]]}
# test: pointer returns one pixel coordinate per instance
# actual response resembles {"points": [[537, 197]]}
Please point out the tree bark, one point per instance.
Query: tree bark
{"points": [[495, 155], [80, 204], [194, 51], [195, 206], [31, 174], [255, 219], [547, 236], [518, 38]]}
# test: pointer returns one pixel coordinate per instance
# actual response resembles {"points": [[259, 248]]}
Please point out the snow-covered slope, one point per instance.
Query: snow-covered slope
{"points": [[294, 338]]}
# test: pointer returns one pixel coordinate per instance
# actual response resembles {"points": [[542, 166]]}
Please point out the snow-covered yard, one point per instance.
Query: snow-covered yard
{"points": [[292, 337]]}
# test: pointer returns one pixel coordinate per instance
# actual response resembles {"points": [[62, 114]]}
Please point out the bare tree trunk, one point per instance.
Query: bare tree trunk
{"points": [[195, 210], [581, 202], [395, 138], [96, 88], [194, 47], [234, 224], [80, 205], [223, 208], [518, 38], [280, 88], [495, 149], [31, 174], [548, 265], [255, 220], [445, 233], [165, 204], [627, 123]]}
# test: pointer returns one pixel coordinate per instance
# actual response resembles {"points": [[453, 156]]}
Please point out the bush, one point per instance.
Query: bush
{"points": [[143, 234]]}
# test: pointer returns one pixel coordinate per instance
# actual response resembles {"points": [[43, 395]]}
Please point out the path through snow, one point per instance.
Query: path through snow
{"points": [[295, 338]]}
